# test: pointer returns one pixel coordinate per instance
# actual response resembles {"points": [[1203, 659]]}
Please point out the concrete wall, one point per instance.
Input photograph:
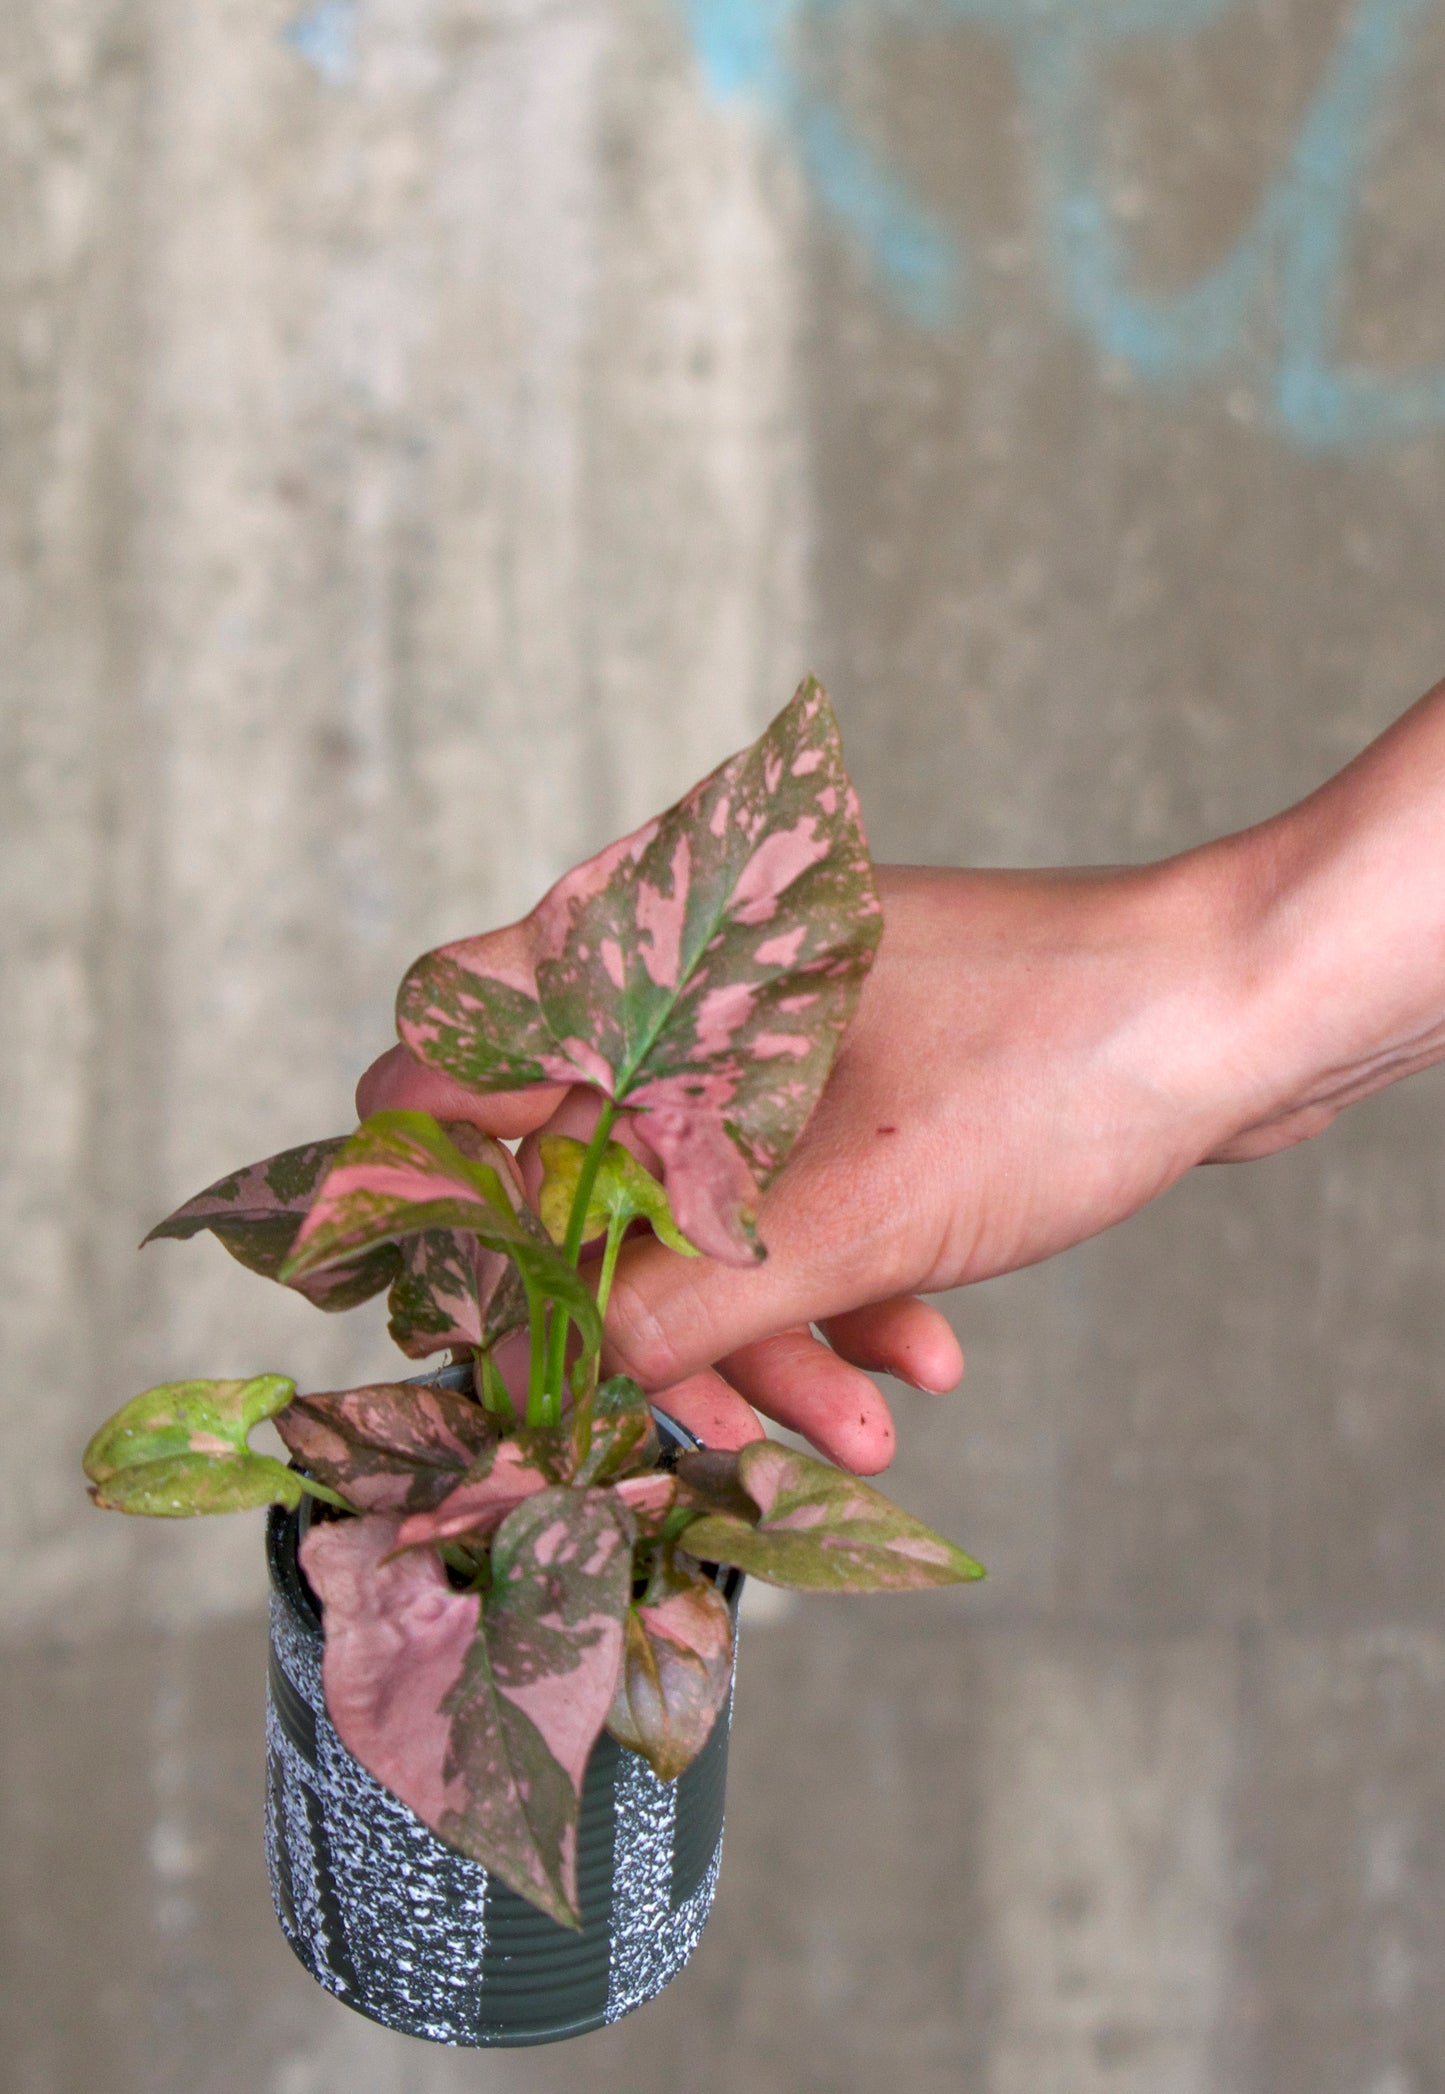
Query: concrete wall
{"points": [[433, 435]]}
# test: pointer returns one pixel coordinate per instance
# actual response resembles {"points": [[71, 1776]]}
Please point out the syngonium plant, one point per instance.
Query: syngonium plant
{"points": [[507, 1569]]}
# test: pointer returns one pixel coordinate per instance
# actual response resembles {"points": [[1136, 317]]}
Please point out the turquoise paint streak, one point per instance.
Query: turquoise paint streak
{"points": [[745, 50], [1269, 312], [325, 36]]}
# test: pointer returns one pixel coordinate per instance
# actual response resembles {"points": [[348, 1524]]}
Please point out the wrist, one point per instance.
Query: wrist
{"points": [[1334, 916]]}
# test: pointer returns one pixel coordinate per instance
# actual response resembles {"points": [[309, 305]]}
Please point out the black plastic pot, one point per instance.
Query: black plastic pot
{"points": [[406, 1930]]}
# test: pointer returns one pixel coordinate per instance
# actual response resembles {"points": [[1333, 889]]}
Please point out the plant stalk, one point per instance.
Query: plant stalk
{"points": [[571, 1250], [537, 1362], [616, 1230], [323, 1491]]}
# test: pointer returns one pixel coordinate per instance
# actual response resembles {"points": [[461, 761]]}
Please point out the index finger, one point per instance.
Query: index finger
{"points": [[396, 1081]]}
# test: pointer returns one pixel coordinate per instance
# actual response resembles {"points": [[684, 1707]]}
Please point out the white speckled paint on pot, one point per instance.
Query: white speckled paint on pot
{"points": [[398, 1925]]}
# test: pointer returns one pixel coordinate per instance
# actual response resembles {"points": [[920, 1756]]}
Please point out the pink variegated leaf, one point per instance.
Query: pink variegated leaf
{"points": [[476, 1506], [397, 1642], [482, 1724], [823, 1530], [701, 971], [390, 1447], [440, 1297], [257, 1213], [676, 1672], [400, 1177], [442, 1284], [451, 1289], [648, 1498]]}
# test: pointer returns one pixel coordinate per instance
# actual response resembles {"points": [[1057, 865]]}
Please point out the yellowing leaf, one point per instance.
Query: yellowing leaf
{"points": [[623, 1191]]}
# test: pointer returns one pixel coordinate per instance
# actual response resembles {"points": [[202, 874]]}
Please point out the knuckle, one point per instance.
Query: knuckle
{"points": [[637, 1343]]}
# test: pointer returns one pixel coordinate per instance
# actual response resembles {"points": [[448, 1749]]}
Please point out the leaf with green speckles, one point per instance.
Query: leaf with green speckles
{"points": [[388, 1447], [482, 1722], [823, 1530], [401, 1177]]}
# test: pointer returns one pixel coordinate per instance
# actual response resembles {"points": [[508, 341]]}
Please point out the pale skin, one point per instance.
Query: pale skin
{"points": [[1037, 1055]]}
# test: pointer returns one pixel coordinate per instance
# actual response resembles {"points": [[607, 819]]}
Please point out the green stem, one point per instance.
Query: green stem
{"points": [[495, 1395], [586, 1179], [537, 1362], [571, 1251], [323, 1491], [616, 1230]]}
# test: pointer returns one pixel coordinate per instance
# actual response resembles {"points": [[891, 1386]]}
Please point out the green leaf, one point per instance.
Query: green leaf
{"points": [[622, 1192], [676, 1671], [400, 1176], [701, 971], [824, 1531], [188, 1484], [180, 1448]]}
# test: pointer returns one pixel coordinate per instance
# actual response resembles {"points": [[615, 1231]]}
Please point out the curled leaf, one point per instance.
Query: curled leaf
{"points": [[648, 1498], [623, 1191], [180, 1449], [389, 1447], [823, 1530], [710, 1481], [676, 1671], [701, 971]]}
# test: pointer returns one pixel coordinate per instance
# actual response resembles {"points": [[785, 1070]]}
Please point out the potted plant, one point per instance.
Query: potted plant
{"points": [[504, 1593]]}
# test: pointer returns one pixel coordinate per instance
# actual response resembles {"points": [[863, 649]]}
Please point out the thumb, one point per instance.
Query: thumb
{"points": [[669, 1317], [396, 1081]]}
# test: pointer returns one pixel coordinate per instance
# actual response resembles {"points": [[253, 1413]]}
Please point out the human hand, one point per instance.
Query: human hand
{"points": [[975, 1120]]}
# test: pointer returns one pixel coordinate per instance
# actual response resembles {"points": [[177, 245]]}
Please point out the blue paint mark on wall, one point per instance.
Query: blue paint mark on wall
{"points": [[744, 48], [325, 36], [1268, 312]]}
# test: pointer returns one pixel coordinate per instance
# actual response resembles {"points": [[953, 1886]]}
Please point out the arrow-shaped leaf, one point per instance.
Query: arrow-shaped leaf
{"points": [[390, 1447], [180, 1449], [701, 971], [442, 1284], [400, 1176], [483, 1725], [823, 1530], [257, 1213], [676, 1670]]}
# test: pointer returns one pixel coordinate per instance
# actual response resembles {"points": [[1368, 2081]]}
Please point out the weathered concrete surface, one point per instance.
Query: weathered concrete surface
{"points": [[421, 458]]}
